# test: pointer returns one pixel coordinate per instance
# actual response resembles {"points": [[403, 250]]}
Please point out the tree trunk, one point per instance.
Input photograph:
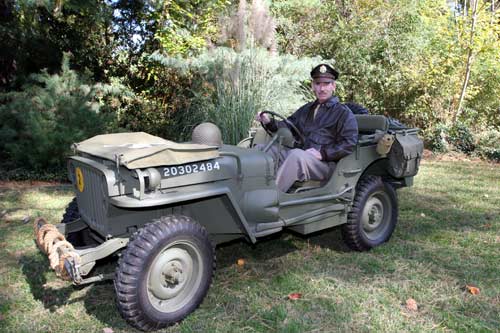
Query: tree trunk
{"points": [[470, 57], [492, 12], [7, 52]]}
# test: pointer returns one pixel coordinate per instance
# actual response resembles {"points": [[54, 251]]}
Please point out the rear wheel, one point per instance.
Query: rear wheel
{"points": [[165, 272], [373, 216]]}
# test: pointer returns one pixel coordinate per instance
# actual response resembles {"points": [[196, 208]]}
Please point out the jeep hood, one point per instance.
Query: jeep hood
{"points": [[142, 150]]}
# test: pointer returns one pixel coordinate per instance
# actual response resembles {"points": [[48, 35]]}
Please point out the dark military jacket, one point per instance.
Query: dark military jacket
{"points": [[333, 132]]}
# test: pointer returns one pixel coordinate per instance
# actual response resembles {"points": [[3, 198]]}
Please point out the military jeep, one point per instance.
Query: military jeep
{"points": [[162, 207]]}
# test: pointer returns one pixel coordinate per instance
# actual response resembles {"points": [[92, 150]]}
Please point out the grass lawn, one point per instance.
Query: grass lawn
{"points": [[447, 237]]}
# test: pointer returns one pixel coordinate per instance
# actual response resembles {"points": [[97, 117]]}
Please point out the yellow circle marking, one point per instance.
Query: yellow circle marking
{"points": [[79, 179]]}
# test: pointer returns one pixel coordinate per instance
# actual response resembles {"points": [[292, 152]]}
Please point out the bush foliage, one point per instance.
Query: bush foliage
{"points": [[183, 63], [488, 144], [456, 137], [40, 122]]}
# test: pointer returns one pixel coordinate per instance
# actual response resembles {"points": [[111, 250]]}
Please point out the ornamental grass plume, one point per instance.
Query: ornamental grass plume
{"points": [[248, 28], [229, 87]]}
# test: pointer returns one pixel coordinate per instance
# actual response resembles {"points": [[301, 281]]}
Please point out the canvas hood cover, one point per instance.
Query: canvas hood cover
{"points": [[142, 150]]}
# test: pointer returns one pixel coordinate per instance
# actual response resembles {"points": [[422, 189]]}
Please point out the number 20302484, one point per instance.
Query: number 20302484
{"points": [[179, 170]]}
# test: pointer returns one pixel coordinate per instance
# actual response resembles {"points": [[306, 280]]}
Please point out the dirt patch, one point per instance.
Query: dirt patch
{"points": [[428, 154], [453, 156], [29, 184]]}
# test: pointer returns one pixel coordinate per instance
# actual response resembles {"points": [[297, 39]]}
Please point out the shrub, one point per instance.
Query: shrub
{"points": [[39, 123], [488, 144], [435, 138], [443, 138], [164, 97], [20, 174], [461, 138]]}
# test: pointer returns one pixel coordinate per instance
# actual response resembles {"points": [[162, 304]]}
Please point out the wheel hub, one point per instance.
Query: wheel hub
{"points": [[169, 273], [174, 276], [373, 214]]}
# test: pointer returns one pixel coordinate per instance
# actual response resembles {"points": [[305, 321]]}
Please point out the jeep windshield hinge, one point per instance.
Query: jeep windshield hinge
{"points": [[142, 184], [238, 162], [118, 158]]}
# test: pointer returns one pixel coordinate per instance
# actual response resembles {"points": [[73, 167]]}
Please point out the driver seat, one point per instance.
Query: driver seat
{"points": [[300, 186], [260, 136], [307, 185]]}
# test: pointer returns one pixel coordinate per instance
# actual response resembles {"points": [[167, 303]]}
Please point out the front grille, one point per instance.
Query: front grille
{"points": [[92, 202]]}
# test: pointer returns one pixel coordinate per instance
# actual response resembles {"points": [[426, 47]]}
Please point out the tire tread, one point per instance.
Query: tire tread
{"points": [[351, 230], [132, 260]]}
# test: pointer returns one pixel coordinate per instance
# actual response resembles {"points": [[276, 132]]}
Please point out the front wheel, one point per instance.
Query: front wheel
{"points": [[164, 273], [373, 216]]}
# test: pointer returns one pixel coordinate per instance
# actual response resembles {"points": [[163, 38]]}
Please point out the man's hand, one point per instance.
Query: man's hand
{"points": [[314, 153], [263, 118]]}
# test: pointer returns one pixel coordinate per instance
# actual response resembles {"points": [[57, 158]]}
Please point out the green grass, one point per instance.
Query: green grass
{"points": [[447, 237]]}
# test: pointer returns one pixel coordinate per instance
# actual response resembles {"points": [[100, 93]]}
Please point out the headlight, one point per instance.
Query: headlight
{"points": [[153, 178]]}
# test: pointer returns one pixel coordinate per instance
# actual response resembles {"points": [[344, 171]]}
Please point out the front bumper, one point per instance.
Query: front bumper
{"points": [[69, 263]]}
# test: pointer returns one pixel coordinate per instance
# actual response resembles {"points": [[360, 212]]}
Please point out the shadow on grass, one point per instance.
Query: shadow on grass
{"points": [[35, 268], [329, 239], [267, 248], [277, 245], [9, 196], [98, 298]]}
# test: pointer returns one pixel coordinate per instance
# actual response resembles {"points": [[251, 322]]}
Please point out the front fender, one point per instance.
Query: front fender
{"points": [[215, 208]]}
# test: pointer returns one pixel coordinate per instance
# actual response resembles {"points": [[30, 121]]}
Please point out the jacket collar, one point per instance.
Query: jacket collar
{"points": [[329, 103]]}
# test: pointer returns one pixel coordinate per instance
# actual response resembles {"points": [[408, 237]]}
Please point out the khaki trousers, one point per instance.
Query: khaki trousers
{"points": [[296, 164]]}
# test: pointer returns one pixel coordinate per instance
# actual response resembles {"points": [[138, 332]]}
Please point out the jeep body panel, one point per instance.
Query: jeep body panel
{"points": [[232, 194], [237, 198]]}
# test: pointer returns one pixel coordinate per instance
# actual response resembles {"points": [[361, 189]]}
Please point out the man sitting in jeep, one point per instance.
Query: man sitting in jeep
{"points": [[329, 131]]}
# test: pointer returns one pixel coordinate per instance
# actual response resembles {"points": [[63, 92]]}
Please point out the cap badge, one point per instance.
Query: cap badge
{"points": [[322, 69]]}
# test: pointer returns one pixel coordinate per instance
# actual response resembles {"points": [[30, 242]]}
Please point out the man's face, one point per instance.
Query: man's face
{"points": [[323, 90]]}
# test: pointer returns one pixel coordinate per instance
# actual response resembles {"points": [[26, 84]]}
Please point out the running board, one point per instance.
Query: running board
{"points": [[315, 213], [340, 196], [264, 229]]}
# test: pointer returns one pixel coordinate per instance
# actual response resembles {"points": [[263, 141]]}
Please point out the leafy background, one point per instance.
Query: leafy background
{"points": [[72, 69]]}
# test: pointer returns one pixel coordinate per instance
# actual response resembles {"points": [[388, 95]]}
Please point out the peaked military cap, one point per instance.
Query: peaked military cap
{"points": [[324, 71]]}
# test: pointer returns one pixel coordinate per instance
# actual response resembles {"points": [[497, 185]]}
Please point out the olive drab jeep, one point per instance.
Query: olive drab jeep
{"points": [[162, 207]]}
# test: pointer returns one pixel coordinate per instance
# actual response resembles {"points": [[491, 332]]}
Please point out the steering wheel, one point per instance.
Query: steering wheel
{"points": [[301, 140]]}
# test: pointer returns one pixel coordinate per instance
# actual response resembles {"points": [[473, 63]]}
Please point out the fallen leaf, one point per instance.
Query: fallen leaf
{"points": [[294, 296], [240, 262], [473, 290], [411, 305], [107, 330]]}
